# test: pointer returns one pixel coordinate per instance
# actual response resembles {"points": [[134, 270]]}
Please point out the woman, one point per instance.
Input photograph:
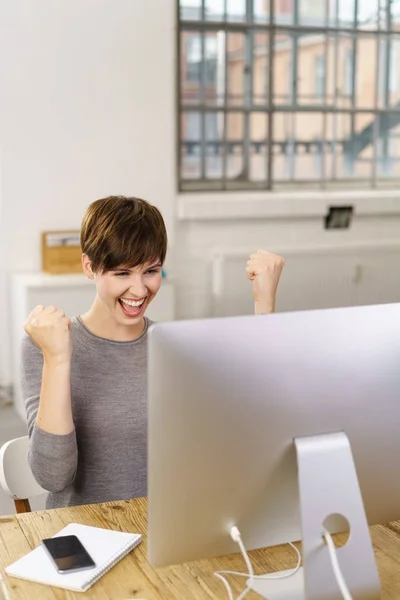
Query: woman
{"points": [[84, 379]]}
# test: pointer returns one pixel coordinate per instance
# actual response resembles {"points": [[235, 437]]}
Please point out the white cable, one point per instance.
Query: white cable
{"points": [[226, 584], [235, 535], [344, 590]]}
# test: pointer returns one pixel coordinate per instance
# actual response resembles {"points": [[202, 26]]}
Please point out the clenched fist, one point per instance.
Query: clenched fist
{"points": [[49, 329], [264, 270]]}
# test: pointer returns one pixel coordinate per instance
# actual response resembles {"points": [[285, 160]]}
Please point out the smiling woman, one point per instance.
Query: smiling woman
{"points": [[124, 243], [84, 380]]}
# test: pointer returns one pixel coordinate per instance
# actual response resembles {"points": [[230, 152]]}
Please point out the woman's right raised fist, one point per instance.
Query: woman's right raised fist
{"points": [[50, 330]]}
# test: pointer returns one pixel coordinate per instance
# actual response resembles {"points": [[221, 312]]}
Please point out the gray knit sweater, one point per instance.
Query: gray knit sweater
{"points": [[105, 457]]}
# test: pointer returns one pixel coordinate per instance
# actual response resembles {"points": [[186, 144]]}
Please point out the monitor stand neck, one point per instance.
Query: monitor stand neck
{"points": [[329, 490]]}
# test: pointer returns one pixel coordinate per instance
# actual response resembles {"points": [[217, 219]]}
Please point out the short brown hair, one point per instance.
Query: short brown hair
{"points": [[119, 231]]}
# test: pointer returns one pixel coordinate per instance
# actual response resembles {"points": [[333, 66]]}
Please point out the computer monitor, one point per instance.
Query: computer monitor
{"points": [[234, 405]]}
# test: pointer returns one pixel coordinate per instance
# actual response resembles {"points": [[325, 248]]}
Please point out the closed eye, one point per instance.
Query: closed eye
{"points": [[122, 274], [153, 271]]}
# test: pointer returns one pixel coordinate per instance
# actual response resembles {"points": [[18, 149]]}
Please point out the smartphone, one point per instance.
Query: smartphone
{"points": [[68, 554]]}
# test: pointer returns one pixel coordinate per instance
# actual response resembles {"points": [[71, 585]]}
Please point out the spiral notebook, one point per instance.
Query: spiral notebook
{"points": [[105, 546]]}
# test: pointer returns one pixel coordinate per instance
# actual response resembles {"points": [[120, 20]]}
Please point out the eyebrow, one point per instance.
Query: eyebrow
{"points": [[153, 266]]}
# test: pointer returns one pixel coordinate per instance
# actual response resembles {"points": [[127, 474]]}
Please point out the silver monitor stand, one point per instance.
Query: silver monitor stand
{"points": [[329, 489]]}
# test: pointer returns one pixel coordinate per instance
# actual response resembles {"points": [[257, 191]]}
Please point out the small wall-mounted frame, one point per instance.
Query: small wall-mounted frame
{"points": [[339, 217], [61, 252]]}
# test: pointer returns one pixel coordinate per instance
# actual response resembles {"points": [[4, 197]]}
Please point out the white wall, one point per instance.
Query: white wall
{"points": [[317, 283], [87, 109]]}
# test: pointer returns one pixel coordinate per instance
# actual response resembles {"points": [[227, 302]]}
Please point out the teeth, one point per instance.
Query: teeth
{"points": [[132, 303]]}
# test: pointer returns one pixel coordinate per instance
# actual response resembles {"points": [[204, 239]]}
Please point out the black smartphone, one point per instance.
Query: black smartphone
{"points": [[68, 554]]}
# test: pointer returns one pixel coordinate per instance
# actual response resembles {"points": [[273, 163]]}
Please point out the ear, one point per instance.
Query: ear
{"points": [[87, 266]]}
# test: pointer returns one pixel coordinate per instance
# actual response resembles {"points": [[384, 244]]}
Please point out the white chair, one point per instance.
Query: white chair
{"points": [[16, 477]]}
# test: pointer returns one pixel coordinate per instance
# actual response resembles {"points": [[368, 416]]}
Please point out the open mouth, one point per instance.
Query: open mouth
{"points": [[131, 308]]}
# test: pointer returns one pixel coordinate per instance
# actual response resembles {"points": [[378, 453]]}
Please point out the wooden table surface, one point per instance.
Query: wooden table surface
{"points": [[133, 577]]}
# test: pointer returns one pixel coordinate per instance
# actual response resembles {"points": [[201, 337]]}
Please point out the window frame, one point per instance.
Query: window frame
{"points": [[272, 28]]}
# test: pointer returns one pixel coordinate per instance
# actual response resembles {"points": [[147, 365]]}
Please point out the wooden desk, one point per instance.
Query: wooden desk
{"points": [[133, 577]]}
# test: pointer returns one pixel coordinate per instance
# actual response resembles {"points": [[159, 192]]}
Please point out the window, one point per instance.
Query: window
{"points": [[308, 95], [194, 60], [348, 72], [319, 76], [393, 67]]}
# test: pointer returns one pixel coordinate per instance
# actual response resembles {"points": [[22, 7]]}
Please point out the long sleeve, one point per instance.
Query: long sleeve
{"points": [[53, 458]]}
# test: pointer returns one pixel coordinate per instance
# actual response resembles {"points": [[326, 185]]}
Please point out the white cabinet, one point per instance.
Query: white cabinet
{"points": [[74, 294]]}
